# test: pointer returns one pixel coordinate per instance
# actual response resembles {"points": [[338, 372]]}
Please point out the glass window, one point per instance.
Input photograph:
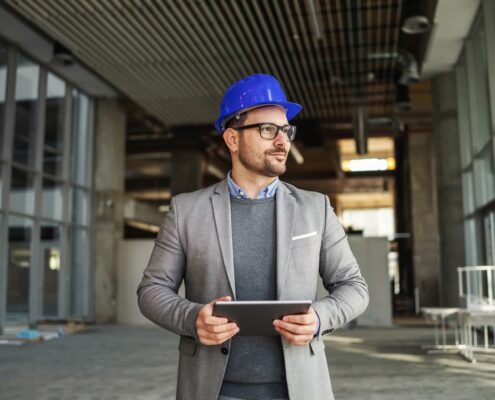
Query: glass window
{"points": [[79, 206], [19, 264], [3, 88], [26, 97], [22, 191], [471, 242], [484, 177], [50, 251], [489, 227], [52, 203], [1, 185], [80, 138], [79, 270], [482, 94], [468, 192], [463, 106], [54, 126]]}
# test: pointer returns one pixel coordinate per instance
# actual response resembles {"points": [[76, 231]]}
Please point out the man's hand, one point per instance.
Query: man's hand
{"points": [[298, 329], [214, 330]]}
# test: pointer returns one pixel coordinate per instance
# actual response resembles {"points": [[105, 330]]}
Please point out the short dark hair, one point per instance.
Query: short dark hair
{"points": [[234, 122]]}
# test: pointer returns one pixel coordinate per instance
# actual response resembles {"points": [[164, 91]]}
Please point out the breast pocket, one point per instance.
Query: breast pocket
{"points": [[305, 239]]}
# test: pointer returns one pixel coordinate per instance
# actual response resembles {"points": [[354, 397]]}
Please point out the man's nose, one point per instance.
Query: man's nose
{"points": [[281, 139]]}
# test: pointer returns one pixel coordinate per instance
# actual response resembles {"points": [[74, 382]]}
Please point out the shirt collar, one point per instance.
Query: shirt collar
{"points": [[237, 192]]}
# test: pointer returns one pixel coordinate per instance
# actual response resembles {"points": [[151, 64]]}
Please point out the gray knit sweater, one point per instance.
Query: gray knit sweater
{"points": [[255, 369]]}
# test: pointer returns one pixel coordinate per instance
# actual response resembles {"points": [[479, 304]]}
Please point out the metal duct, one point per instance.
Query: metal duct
{"points": [[360, 128]]}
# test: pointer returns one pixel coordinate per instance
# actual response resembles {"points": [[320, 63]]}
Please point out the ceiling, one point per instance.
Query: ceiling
{"points": [[453, 19], [175, 58]]}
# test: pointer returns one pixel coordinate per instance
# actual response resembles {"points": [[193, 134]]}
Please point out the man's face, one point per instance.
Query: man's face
{"points": [[263, 156]]}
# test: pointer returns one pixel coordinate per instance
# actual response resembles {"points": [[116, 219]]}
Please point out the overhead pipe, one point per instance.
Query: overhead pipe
{"points": [[360, 128], [407, 62]]}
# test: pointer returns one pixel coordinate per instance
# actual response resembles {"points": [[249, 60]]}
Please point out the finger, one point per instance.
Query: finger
{"points": [[218, 338], [221, 328], [212, 320], [222, 337], [296, 328], [298, 340], [302, 319]]}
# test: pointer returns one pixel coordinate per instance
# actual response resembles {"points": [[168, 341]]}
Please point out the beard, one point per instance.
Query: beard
{"points": [[261, 163]]}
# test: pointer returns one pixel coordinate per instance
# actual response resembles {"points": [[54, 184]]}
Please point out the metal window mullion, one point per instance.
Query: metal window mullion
{"points": [[90, 256], [463, 113], [8, 138], [23, 167], [472, 96], [64, 276], [473, 108], [36, 273], [8, 128], [488, 11]]}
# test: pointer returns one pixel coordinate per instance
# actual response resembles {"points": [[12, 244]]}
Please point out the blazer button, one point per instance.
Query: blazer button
{"points": [[224, 350]]}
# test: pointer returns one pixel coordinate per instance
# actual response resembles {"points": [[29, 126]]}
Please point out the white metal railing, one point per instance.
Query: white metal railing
{"points": [[477, 286]]}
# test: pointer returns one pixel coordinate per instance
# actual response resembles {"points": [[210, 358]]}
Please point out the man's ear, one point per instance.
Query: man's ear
{"points": [[231, 139]]}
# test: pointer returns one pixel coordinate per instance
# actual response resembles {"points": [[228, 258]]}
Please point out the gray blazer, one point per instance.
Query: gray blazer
{"points": [[195, 245]]}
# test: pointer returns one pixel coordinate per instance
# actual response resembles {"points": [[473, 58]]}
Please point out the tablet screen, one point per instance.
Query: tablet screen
{"points": [[255, 318]]}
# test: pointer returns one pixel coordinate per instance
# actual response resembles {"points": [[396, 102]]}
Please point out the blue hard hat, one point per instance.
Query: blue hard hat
{"points": [[250, 92]]}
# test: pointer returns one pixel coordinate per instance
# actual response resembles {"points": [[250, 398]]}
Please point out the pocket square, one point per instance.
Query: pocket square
{"points": [[304, 236]]}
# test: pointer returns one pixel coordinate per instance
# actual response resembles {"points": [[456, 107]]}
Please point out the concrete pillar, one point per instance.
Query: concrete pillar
{"points": [[424, 215], [186, 170], [449, 185], [109, 188]]}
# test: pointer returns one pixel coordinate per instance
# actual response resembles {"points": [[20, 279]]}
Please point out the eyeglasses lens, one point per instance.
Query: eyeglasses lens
{"points": [[269, 131]]}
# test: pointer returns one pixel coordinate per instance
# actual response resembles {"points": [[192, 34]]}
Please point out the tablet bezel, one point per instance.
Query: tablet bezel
{"points": [[255, 317]]}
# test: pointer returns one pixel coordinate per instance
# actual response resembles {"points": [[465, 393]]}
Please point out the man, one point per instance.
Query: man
{"points": [[252, 237]]}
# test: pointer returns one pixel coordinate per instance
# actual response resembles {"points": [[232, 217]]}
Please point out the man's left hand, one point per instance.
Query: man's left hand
{"points": [[298, 329]]}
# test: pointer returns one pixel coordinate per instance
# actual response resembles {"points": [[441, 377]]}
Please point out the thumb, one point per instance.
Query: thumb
{"points": [[209, 306], [224, 298]]}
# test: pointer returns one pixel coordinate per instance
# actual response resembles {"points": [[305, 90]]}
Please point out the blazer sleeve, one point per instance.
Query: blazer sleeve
{"points": [[158, 297], [348, 292]]}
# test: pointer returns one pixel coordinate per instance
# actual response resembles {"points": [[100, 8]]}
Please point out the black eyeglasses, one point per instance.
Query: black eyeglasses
{"points": [[269, 131]]}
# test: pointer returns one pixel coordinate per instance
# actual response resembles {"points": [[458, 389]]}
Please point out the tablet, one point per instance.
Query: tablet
{"points": [[255, 318]]}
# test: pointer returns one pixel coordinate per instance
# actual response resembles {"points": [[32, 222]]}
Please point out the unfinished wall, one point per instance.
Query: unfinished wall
{"points": [[109, 191], [424, 215]]}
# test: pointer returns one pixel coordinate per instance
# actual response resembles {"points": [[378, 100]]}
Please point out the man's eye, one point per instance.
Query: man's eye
{"points": [[267, 128]]}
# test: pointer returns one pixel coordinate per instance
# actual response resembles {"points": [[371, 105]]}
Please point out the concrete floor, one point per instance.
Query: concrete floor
{"points": [[121, 362]]}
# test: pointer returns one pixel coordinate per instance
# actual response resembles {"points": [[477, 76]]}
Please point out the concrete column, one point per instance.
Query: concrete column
{"points": [[424, 215], [109, 188], [449, 185], [186, 170]]}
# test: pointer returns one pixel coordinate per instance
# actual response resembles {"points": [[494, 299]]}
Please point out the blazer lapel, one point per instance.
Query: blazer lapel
{"points": [[220, 201], [285, 205]]}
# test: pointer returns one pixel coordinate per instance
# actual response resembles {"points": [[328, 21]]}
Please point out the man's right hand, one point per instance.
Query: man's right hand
{"points": [[214, 330]]}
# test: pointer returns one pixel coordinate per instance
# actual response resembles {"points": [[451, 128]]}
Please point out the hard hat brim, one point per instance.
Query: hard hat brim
{"points": [[292, 109]]}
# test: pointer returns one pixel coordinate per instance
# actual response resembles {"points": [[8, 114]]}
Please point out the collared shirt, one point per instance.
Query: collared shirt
{"points": [[239, 193]]}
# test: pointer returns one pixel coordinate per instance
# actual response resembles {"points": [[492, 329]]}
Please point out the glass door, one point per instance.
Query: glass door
{"points": [[19, 269]]}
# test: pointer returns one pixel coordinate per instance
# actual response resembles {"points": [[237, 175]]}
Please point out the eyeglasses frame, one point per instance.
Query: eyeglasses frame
{"points": [[259, 124]]}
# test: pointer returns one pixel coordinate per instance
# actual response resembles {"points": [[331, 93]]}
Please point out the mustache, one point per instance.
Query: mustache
{"points": [[284, 151]]}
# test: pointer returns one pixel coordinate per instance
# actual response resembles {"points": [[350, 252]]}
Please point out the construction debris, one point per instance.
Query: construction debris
{"points": [[45, 330]]}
